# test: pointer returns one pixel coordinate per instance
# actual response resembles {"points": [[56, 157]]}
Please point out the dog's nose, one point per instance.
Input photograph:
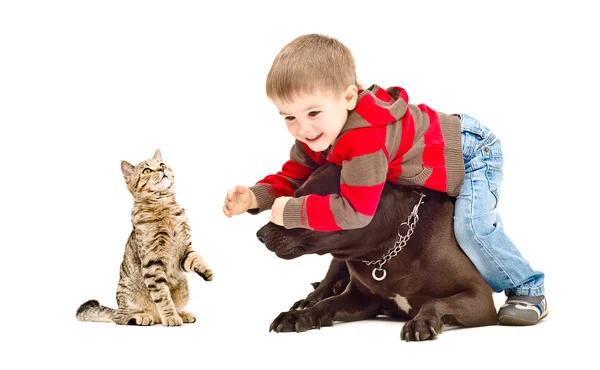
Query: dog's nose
{"points": [[262, 234]]}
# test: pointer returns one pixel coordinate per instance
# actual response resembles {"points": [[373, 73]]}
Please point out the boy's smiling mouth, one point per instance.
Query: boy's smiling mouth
{"points": [[313, 138]]}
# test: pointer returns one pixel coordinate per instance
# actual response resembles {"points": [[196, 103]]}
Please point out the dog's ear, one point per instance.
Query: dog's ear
{"points": [[325, 180]]}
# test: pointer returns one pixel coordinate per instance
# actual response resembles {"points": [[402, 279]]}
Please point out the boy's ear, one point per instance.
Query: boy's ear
{"points": [[127, 170], [350, 96]]}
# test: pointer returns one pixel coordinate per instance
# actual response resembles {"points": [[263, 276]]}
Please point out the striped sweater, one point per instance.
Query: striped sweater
{"points": [[384, 139]]}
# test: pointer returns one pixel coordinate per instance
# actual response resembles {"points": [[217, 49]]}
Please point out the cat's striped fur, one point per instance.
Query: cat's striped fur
{"points": [[152, 287]]}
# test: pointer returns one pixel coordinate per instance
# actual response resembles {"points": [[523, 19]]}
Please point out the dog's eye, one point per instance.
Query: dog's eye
{"points": [[146, 171]]}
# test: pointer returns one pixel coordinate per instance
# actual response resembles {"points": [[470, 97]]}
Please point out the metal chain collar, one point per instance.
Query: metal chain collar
{"points": [[412, 220]]}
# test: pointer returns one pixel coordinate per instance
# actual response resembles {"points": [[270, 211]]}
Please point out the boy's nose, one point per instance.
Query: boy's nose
{"points": [[304, 130]]}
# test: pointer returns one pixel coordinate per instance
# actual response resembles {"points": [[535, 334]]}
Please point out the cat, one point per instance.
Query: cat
{"points": [[152, 287]]}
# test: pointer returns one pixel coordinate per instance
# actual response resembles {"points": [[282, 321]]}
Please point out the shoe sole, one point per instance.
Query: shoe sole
{"points": [[516, 321]]}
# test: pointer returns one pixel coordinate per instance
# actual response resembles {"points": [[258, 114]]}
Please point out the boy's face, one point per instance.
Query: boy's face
{"points": [[317, 119]]}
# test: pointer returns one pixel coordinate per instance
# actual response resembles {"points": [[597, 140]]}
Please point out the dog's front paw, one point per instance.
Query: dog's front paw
{"points": [[304, 304], [319, 294], [299, 321], [421, 329]]}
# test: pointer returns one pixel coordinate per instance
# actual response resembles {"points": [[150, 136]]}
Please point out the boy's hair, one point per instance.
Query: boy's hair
{"points": [[308, 64]]}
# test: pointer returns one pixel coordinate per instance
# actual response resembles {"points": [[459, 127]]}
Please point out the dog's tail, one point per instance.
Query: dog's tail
{"points": [[93, 311]]}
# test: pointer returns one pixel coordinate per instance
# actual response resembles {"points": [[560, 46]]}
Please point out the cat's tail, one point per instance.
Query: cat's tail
{"points": [[93, 311]]}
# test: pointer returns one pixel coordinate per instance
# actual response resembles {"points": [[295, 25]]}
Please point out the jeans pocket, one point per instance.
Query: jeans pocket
{"points": [[474, 130], [494, 177]]}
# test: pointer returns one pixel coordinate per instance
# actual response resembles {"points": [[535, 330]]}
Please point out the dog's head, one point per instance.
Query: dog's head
{"points": [[345, 244]]}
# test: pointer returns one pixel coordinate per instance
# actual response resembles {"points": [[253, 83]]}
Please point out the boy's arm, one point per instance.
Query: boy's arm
{"points": [[303, 162], [364, 171]]}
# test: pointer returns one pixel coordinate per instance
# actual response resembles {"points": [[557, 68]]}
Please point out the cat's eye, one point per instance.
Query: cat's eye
{"points": [[146, 171], [163, 166]]}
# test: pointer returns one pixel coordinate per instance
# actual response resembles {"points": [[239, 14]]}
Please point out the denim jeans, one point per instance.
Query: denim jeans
{"points": [[477, 224]]}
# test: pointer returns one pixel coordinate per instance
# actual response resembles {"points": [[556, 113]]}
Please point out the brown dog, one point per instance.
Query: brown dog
{"points": [[429, 282]]}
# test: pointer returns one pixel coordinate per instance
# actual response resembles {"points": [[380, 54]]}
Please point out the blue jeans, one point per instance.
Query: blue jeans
{"points": [[477, 224]]}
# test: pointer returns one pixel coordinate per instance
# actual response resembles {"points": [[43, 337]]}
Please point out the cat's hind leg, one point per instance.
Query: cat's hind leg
{"points": [[135, 304], [124, 317], [187, 317]]}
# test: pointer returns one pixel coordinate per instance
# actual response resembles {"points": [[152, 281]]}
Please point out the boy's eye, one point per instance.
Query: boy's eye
{"points": [[146, 171], [314, 113], [290, 118]]}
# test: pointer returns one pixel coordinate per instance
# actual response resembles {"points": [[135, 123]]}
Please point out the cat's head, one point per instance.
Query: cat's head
{"points": [[149, 177]]}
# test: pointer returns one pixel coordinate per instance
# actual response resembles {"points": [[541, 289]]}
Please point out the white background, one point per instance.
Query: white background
{"points": [[84, 85]]}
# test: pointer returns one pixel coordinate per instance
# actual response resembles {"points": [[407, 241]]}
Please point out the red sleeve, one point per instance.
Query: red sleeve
{"points": [[364, 169], [302, 163]]}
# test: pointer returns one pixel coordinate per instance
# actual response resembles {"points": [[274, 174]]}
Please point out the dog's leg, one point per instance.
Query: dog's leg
{"points": [[351, 305], [468, 308], [334, 283]]}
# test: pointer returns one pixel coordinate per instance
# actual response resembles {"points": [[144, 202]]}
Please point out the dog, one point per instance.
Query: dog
{"points": [[428, 281]]}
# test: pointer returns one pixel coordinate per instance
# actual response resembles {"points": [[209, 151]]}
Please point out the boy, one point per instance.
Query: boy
{"points": [[376, 136]]}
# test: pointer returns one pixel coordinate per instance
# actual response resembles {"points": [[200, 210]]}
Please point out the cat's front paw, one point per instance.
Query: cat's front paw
{"points": [[204, 272], [174, 320]]}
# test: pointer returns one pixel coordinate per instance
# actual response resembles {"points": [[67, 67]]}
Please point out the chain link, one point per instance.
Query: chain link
{"points": [[411, 222]]}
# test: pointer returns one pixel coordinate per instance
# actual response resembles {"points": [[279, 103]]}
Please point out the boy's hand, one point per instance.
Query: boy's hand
{"points": [[238, 200], [277, 210]]}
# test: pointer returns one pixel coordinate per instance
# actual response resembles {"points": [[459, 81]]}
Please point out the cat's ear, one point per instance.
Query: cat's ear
{"points": [[157, 155], [127, 169]]}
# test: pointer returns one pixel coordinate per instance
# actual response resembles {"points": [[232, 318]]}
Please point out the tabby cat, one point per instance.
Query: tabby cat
{"points": [[152, 286]]}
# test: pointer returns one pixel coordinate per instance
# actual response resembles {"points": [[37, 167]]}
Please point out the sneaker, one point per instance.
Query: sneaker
{"points": [[522, 310]]}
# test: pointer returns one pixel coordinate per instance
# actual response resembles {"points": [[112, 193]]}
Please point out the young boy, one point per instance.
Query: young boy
{"points": [[376, 136]]}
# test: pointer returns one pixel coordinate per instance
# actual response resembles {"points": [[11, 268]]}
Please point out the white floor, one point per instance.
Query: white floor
{"points": [[232, 332]]}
